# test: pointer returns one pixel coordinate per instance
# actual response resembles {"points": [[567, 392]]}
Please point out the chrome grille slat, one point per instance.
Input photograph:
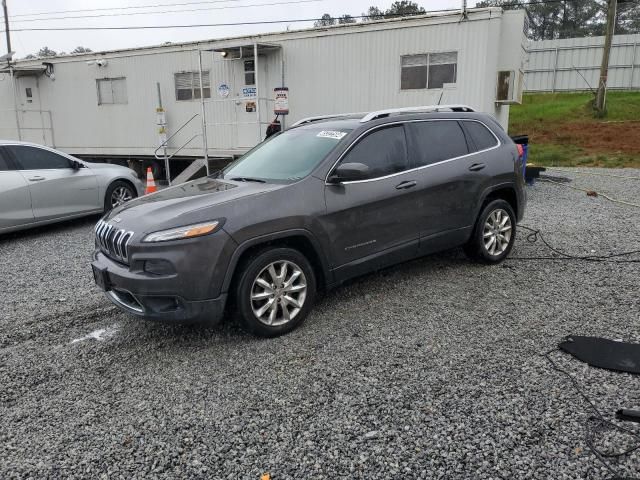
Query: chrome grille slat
{"points": [[113, 241], [116, 242]]}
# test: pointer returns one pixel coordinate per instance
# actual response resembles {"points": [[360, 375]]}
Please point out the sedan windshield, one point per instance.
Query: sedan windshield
{"points": [[287, 157]]}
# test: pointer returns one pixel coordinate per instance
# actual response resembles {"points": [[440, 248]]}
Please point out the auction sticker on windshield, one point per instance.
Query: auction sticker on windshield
{"points": [[331, 134]]}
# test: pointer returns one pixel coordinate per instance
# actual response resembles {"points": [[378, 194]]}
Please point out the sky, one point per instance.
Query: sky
{"points": [[21, 16]]}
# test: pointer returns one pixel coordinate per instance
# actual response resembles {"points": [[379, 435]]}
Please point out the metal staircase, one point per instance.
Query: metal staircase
{"points": [[192, 169]]}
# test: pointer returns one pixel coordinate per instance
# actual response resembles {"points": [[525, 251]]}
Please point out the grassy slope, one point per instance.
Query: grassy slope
{"points": [[564, 132]]}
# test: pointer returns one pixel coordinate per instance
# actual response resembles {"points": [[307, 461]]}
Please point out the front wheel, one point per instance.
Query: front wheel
{"points": [[494, 233], [275, 292], [119, 192]]}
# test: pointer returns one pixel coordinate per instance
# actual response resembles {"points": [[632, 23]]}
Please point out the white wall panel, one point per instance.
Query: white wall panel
{"points": [[563, 59]]}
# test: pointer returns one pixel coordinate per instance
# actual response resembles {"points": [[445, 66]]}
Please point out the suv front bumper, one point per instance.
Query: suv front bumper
{"points": [[152, 297]]}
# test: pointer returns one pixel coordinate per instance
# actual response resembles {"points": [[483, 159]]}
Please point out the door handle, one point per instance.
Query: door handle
{"points": [[36, 179], [404, 185], [476, 167]]}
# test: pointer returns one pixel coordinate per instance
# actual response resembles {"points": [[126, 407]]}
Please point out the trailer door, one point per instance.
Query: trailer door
{"points": [[233, 119]]}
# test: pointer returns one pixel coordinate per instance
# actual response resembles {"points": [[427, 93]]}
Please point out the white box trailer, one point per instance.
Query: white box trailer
{"points": [[215, 98]]}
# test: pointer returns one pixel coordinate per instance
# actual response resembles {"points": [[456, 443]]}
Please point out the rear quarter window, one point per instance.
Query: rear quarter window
{"points": [[480, 135], [437, 140]]}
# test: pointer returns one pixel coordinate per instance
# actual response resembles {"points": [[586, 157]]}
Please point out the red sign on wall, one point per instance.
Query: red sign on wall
{"points": [[281, 106]]}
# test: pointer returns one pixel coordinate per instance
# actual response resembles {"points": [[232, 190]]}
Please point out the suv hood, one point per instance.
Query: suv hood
{"points": [[191, 202]]}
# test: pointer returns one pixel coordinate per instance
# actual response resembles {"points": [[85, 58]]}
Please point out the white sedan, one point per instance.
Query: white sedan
{"points": [[39, 185]]}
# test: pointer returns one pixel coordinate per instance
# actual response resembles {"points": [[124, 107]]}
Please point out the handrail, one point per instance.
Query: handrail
{"points": [[183, 146], [166, 142]]}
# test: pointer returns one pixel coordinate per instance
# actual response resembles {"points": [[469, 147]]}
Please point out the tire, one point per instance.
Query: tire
{"points": [[257, 288], [118, 189], [493, 234]]}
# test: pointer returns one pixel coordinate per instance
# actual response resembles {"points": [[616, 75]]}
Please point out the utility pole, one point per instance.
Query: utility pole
{"points": [[6, 25], [604, 67]]}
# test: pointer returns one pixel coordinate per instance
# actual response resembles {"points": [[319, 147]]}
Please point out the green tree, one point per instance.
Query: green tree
{"points": [[46, 52], [404, 8], [374, 13], [628, 17], [81, 50], [346, 18], [558, 19], [325, 21]]}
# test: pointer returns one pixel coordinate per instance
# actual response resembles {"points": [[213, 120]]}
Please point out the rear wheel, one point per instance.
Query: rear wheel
{"points": [[494, 233], [275, 292], [119, 192]]}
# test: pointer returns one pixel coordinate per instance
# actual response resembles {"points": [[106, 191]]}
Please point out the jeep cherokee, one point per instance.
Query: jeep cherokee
{"points": [[329, 199]]}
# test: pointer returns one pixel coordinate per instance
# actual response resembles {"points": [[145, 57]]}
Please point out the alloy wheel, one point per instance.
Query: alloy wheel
{"points": [[119, 196], [278, 293], [497, 232]]}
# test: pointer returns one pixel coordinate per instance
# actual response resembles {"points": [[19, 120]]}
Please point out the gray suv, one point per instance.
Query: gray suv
{"points": [[327, 200]]}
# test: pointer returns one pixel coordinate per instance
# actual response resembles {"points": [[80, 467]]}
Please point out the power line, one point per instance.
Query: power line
{"points": [[235, 24], [163, 5], [513, 4], [199, 25], [165, 11]]}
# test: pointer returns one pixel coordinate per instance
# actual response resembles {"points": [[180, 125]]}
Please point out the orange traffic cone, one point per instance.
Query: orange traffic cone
{"points": [[151, 183]]}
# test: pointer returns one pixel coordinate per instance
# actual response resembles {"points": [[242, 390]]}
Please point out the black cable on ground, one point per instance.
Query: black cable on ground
{"points": [[537, 234], [601, 421]]}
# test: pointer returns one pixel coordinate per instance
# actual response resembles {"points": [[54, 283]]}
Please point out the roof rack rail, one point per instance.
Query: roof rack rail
{"points": [[326, 117], [424, 109]]}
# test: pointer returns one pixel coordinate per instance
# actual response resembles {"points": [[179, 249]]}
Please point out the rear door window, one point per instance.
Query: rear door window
{"points": [[5, 163], [32, 158], [435, 141], [480, 135], [384, 151]]}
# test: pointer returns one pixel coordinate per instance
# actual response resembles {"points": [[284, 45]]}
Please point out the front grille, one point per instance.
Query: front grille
{"points": [[113, 242]]}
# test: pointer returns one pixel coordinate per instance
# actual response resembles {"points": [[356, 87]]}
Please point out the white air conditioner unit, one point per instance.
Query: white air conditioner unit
{"points": [[509, 87]]}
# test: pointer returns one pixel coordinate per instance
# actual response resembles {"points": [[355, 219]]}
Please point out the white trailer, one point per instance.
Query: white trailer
{"points": [[214, 99]]}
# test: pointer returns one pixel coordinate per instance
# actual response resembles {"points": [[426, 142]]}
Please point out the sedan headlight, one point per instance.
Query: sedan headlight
{"points": [[189, 231]]}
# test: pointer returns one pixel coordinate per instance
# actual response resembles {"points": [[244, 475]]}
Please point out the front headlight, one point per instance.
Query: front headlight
{"points": [[189, 231]]}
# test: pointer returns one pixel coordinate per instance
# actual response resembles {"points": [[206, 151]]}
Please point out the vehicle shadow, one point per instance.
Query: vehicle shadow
{"points": [[228, 332]]}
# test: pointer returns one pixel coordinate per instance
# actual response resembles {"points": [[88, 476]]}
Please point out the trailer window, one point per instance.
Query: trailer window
{"points": [[112, 91], [249, 72], [188, 85], [429, 70]]}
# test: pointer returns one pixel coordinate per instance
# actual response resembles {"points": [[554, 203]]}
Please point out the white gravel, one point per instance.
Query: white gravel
{"points": [[431, 369]]}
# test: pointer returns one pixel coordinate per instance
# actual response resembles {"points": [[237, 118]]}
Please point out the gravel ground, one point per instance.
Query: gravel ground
{"points": [[431, 369]]}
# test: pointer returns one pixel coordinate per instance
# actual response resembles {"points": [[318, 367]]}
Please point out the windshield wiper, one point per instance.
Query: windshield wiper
{"points": [[247, 179]]}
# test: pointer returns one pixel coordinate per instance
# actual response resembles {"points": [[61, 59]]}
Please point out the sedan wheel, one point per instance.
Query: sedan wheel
{"points": [[120, 195], [278, 293]]}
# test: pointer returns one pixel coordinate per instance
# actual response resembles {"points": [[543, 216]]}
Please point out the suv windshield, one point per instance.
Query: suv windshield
{"points": [[287, 157]]}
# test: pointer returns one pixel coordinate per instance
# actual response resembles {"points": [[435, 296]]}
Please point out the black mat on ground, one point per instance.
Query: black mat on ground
{"points": [[603, 353]]}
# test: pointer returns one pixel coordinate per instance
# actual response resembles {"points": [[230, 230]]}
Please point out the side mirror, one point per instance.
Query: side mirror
{"points": [[75, 165], [349, 172]]}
